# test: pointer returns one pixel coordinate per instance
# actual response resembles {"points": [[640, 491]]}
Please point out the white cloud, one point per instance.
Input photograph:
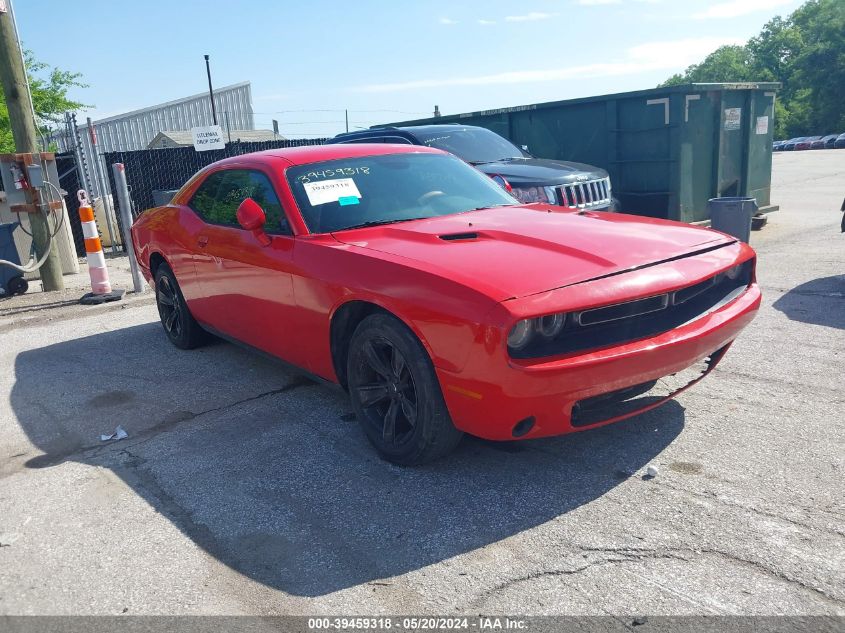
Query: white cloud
{"points": [[448, 21], [594, 3], [487, 22], [679, 52], [669, 55], [736, 8], [530, 17]]}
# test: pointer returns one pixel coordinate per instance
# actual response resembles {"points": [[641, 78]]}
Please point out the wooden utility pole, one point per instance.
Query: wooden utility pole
{"points": [[18, 101]]}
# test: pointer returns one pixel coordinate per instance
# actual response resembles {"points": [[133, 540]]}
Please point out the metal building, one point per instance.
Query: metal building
{"points": [[136, 129]]}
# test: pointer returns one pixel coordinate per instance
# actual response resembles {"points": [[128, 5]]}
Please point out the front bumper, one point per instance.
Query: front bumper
{"points": [[489, 397]]}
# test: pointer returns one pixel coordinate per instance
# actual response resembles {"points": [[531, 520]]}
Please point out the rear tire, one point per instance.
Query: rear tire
{"points": [[179, 325], [396, 395]]}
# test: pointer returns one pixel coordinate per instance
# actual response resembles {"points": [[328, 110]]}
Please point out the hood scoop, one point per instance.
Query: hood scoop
{"points": [[459, 237]]}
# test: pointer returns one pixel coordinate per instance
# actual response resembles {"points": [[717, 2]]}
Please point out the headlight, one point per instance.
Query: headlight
{"points": [[524, 331], [520, 334], [733, 272], [528, 195], [550, 325]]}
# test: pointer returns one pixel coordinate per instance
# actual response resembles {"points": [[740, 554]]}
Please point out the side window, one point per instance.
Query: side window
{"points": [[205, 196], [219, 204], [399, 140], [261, 190]]}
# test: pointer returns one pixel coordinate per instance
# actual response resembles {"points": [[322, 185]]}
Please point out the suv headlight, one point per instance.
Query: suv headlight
{"points": [[528, 195]]}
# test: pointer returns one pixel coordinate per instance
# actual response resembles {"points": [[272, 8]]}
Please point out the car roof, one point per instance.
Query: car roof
{"points": [[439, 128], [407, 130], [317, 153]]}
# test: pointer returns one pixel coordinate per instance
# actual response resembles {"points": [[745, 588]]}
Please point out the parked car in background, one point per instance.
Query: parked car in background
{"points": [[529, 179], [822, 142], [777, 146], [789, 145], [442, 304], [839, 143], [806, 143]]}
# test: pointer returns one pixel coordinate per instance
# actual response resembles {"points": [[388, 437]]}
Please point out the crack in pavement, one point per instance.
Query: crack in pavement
{"points": [[622, 555], [779, 574], [710, 495]]}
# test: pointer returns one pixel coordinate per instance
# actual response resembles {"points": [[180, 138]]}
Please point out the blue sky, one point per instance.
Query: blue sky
{"points": [[384, 61]]}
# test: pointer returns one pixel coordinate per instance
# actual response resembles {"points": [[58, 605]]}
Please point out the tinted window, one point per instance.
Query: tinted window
{"points": [[203, 199], [235, 186], [339, 194], [474, 145]]}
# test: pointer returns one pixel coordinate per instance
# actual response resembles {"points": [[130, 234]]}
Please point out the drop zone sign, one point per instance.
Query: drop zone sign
{"points": [[206, 138]]}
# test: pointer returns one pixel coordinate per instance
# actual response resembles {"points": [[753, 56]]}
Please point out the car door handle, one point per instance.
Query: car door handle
{"points": [[202, 241]]}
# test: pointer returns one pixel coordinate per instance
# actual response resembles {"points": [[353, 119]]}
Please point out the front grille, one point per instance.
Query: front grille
{"points": [[642, 318], [591, 194], [632, 399]]}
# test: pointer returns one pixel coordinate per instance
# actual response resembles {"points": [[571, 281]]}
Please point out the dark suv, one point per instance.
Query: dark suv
{"points": [[529, 179]]}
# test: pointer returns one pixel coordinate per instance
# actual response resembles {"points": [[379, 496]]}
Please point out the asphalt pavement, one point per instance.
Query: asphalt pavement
{"points": [[244, 488]]}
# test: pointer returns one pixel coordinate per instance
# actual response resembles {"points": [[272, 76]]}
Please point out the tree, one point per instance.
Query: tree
{"points": [[726, 63], [819, 65], [49, 87], [805, 52]]}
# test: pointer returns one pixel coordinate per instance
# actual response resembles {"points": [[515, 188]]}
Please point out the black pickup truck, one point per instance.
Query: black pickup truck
{"points": [[529, 179]]}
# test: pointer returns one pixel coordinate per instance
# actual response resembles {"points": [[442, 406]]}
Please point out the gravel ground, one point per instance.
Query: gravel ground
{"points": [[245, 489]]}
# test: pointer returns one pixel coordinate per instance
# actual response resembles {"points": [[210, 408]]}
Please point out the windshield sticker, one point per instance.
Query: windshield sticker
{"points": [[345, 201], [331, 191], [333, 173]]}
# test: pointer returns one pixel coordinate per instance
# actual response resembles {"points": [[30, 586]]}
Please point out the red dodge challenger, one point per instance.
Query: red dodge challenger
{"points": [[439, 302]]}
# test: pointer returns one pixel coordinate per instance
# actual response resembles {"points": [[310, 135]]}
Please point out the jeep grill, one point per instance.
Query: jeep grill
{"points": [[590, 194]]}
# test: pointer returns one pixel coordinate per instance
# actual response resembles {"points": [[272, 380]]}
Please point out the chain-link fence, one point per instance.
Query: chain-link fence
{"points": [[150, 171], [70, 182]]}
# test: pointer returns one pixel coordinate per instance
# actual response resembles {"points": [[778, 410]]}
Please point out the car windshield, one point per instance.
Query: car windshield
{"points": [[355, 192], [474, 145]]}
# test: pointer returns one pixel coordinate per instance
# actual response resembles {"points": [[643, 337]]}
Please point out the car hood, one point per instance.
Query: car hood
{"points": [[541, 172], [512, 252]]}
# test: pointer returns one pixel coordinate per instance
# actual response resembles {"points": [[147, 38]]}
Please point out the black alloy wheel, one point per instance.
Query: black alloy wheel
{"points": [[389, 396], [179, 325], [396, 394]]}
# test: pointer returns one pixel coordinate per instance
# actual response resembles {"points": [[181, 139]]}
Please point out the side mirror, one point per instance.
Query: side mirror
{"points": [[251, 217]]}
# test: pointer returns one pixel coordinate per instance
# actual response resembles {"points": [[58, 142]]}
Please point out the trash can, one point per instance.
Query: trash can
{"points": [[732, 215], [11, 280]]}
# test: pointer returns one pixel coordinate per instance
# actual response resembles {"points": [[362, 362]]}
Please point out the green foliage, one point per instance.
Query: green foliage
{"points": [[726, 63], [49, 87], [805, 52]]}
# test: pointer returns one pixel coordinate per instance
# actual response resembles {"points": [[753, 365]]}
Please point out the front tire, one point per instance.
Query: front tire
{"points": [[396, 395], [179, 325]]}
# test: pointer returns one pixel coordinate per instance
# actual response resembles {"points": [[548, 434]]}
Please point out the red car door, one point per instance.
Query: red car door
{"points": [[246, 288]]}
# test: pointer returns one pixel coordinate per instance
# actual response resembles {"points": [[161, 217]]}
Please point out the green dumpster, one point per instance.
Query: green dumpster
{"points": [[668, 150]]}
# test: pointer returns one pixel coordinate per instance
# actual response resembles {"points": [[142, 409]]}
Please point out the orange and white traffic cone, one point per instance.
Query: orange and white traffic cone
{"points": [[101, 290]]}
